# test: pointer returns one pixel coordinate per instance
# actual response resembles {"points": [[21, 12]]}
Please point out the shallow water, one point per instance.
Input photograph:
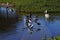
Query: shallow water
{"points": [[49, 28]]}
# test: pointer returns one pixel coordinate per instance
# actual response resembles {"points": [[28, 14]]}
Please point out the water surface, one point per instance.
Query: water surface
{"points": [[49, 28]]}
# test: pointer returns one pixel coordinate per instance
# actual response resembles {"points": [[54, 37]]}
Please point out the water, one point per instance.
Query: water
{"points": [[48, 28]]}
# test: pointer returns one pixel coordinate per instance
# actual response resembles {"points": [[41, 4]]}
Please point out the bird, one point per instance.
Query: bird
{"points": [[38, 29], [28, 23], [46, 14], [7, 3], [36, 21]]}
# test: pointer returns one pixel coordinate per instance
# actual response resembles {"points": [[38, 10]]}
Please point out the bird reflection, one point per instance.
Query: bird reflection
{"points": [[29, 25]]}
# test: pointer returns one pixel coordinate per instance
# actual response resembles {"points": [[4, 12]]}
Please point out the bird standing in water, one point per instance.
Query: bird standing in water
{"points": [[7, 3], [36, 21], [28, 22], [46, 14]]}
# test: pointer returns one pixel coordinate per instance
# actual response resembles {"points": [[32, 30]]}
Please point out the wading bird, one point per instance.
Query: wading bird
{"points": [[46, 14]]}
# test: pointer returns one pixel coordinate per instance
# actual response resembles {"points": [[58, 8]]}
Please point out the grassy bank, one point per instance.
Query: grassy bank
{"points": [[35, 5]]}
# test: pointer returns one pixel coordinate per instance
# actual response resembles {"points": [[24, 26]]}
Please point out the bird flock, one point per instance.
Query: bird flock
{"points": [[28, 21]]}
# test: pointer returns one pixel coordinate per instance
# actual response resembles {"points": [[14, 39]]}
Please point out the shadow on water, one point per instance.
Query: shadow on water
{"points": [[7, 24]]}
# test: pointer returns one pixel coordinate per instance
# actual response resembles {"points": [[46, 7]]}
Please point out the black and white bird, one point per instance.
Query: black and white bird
{"points": [[28, 24], [46, 14]]}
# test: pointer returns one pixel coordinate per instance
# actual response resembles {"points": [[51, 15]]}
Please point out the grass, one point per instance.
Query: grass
{"points": [[56, 37], [53, 38], [35, 5]]}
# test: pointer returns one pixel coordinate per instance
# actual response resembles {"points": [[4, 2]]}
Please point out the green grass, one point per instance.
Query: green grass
{"points": [[56, 37], [35, 5], [53, 38]]}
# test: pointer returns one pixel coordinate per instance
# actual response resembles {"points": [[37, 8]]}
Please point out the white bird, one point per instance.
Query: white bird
{"points": [[7, 3], [46, 15], [29, 20]]}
